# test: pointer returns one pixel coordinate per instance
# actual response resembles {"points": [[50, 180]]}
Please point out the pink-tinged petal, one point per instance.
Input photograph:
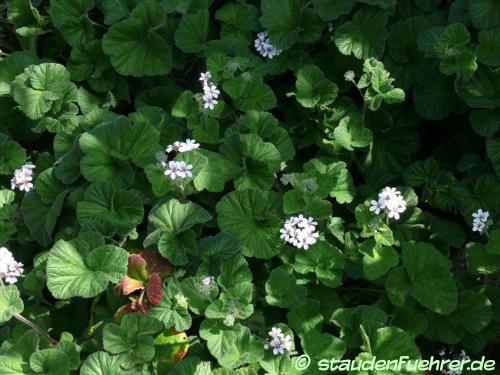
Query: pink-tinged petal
{"points": [[154, 289], [130, 285], [156, 263], [137, 306], [137, 267]]}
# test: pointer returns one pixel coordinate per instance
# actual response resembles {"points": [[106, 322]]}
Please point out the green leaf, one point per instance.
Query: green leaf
{"points": [[102, 363], [173, 222], [483, 13], [192, 32], [473, 314], [232, 346], [295, 202], [351, 132], [40, 86], [173, 309], [432, 284], [320, 345], [72, 21], [249, 215], [323, 259], [487, 51], [216, 249], [283, 20], [12, 155], [485, 122], [109, 210], [330, 11], [306, 317], [134, 45], [349, 320], [493, 152], [111, 147], [50, 361], [313, 89], [71, 274], [116, 10], [434, 95], [377, 259], [176, 217], [13, 65], [364, 36], [392, 343], [249, 92], [39, 217], [480, 261], [133, 337], [282, 289], [10, 303], [493, 245], [175, 247]]}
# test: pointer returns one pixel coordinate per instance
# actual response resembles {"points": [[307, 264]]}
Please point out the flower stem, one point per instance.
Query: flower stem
{"points": [[37, 328], [32, 325]]}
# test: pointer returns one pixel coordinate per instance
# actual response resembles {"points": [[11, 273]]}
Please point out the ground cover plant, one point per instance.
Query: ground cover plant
{"points": [[218, 187]]}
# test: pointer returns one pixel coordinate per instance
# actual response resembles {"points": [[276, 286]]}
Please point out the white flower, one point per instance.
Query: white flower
{"points": [[481, 215], [387, 194], [277, 347], [275, 333], [279, 342], [478, 226], [184, 170], [300, 231], [376, 206], [286, 342], [10, 270], [181, 299], [173, 147], [229, 320], [210, 102], [349, 75], [390, 200], [262, 35], [207, 280], [23, 178], [264, 46], [205, 77], [212, 90], [177, 169], [188, 145]]}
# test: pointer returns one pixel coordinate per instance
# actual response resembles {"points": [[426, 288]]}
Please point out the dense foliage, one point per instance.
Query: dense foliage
{"points": [[124, 257]]}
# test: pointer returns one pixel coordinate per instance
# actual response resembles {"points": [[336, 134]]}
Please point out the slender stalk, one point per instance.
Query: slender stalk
{"points": [[32, 325], [37, 328]]}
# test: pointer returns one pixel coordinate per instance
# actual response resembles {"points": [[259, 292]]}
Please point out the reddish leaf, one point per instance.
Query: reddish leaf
{"points": [[154, 289], [130, 285], [137, 267], [156, 263]]}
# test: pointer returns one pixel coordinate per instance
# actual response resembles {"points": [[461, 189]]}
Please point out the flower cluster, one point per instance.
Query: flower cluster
{"points": [[391, 201], [265, 47], [9, 268], [480, 220], [177, 169], [279, 342], [23, 178], [300, 231], [187, 145], [210, 91], [207, 284]]}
